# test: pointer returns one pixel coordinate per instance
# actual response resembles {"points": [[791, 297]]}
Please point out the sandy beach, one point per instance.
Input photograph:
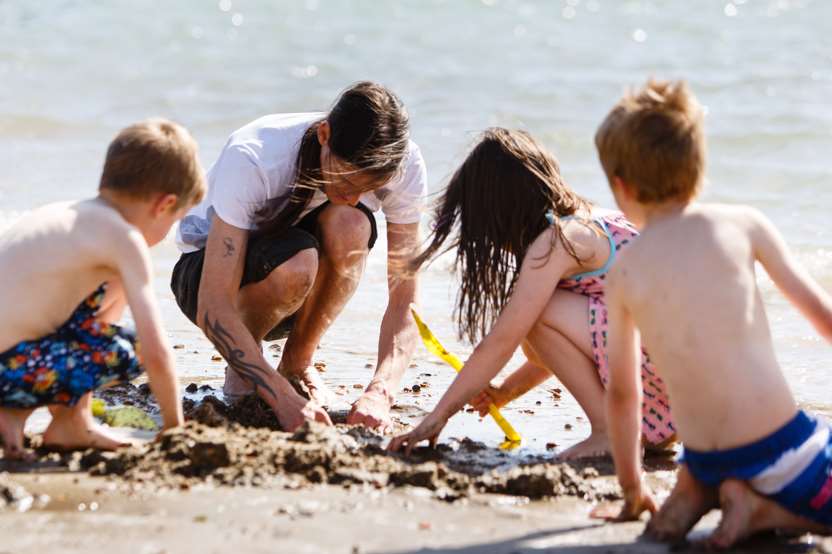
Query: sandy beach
{"points": [[231, 481], [251, 488], [87, 514]]}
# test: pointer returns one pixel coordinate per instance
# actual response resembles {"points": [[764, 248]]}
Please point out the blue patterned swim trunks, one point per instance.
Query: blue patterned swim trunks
{"points": [[84, 354]]}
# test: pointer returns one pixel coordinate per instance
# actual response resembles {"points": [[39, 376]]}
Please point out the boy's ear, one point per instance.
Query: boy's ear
{"points": [[164, 204], [324, 132], [623, 188]]}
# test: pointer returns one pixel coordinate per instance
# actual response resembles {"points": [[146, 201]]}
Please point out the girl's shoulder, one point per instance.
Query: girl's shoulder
{"points": [[613, 221], [572, 238], [593, 221]]}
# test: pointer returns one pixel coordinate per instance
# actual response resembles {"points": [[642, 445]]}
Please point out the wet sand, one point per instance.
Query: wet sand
{"points": [[230, 481], [91, 514]]}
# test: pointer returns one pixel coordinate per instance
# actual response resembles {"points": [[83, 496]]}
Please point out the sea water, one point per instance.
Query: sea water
{"points": [[73, 73]]}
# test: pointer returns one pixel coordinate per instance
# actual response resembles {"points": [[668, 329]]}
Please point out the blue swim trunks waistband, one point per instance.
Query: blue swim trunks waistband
{"points": [[745, 462], [792, 466]]}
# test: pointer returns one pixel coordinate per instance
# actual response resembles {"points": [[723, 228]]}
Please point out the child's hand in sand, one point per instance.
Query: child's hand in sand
{"points": [[491, 395], [428, 429], [636, 502]]}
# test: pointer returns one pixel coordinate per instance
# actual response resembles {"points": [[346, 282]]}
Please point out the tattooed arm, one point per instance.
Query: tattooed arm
{"points": [[221, 322]]}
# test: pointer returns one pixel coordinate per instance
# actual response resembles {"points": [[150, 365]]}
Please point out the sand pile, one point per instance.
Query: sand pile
{"points": [[238, 446], [242, 445], [248, 411], [128, 394]]}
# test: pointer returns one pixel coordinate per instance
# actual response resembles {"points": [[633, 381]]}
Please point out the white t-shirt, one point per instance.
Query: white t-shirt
{"points": [[258, 163]]}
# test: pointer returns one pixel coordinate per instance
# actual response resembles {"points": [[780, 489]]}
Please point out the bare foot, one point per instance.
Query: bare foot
{"points": [[744, 512], [371, 410], [312, 384], [686, 505], [74, 429], [12, 422], [738, 504], [597, 444], [235, 387]]}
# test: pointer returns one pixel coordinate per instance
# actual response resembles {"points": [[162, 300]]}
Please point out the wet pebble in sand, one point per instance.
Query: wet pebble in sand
{"points": [[13, 496]]}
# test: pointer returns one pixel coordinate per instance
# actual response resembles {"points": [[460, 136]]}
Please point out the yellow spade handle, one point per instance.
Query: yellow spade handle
{"points": [[435, 347]]}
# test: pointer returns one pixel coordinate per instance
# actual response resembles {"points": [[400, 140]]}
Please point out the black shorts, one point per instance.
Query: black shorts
{"points": [[263, 255]]}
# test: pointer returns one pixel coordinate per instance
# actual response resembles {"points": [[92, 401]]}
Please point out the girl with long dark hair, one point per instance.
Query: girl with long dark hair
{"points": [[532, 256]]}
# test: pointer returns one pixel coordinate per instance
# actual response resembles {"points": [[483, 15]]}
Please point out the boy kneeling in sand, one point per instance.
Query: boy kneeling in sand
{"points": [[67, 270], [687, 286]]}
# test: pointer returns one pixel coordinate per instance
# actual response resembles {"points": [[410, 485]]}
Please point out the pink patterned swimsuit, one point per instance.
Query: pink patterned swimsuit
{"points": [[656, 422]]}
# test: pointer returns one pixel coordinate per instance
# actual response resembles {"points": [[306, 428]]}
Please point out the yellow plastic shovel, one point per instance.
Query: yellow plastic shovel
{"points": [[513, 438]]}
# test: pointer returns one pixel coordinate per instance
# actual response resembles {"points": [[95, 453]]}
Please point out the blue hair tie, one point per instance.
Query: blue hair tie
{"points": [[550, 217]]}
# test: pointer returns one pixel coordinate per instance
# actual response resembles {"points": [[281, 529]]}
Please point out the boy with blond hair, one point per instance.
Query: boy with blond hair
{"points": [[687, 288], [67, 270]]}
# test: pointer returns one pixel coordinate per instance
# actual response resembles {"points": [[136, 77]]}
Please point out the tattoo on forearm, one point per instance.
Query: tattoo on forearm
{"points": [[227, 347], [229, 247]]}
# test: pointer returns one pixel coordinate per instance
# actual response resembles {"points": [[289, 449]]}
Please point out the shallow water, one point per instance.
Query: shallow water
{"points": [[73, 73]]}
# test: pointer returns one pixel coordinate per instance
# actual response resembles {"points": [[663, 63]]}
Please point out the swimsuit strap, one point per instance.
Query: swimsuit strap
{"points": [[608, 264], [551, 218]]}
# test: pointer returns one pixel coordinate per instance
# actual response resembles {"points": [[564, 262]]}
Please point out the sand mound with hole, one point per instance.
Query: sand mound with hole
{"points": [[241, 445]]}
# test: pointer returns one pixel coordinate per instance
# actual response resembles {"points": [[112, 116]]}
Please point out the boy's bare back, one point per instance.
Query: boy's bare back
{"points": [[56, 256], [687, 290], [690, 284]]}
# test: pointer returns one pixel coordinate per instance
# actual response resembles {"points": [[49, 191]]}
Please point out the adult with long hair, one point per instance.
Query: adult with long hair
{"points": [[279, 245]]}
